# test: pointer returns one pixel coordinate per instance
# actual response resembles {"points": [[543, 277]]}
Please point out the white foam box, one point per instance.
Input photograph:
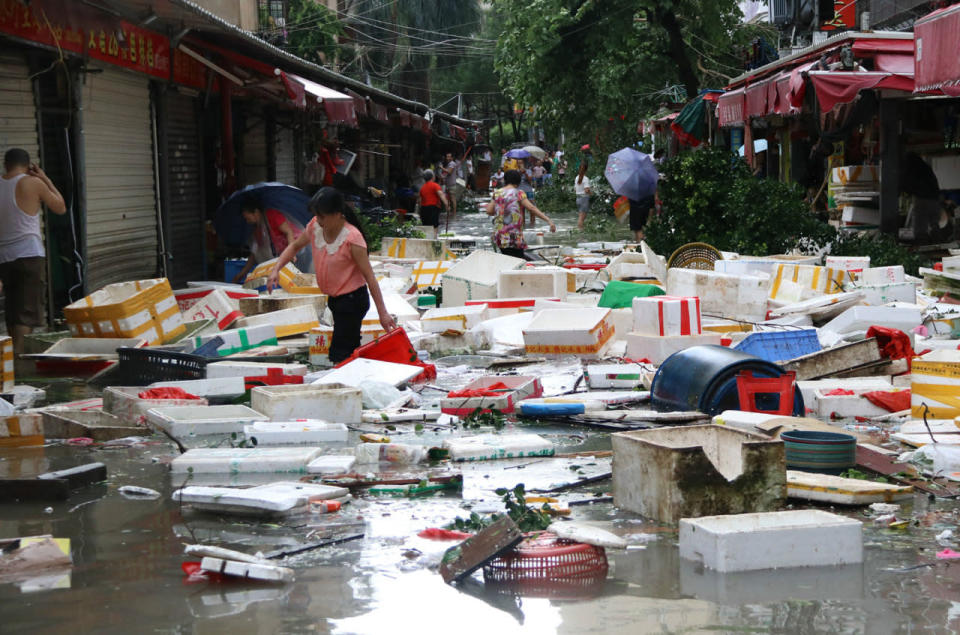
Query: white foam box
{"points": [[359, 370], [486, 447], [216, 370], [935, 381], [536, 283], [861, 318], [429, 273], [304, 432], [221, 388], [247, 570], [771, 540], [321, 336], [860, 215], [745, 265], [21, 430], [585, 332], [241, 339], [213, 304], [849, 174], [883, 275], [520, 387], [125, 403], [622, 320], [336, 403], [476, 277], [630, 264], [279, 300], [184, 421], [419, 248], [244, 460], [508, 306], [457, 319], [273, 498], [809, 278], [739, 297], [397, 306], [810, 387], [666, 315], [286, 322], [846, 406], [657, 348], [878, 294], [615, 375], [856, 264], [6, 364], [331, 464]]}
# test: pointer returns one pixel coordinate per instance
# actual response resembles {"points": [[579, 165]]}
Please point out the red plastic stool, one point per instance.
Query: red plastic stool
{"points": [[748, 387]]}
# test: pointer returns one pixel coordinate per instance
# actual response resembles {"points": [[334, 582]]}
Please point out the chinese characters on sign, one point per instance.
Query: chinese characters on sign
{"points": [[844, 16]]}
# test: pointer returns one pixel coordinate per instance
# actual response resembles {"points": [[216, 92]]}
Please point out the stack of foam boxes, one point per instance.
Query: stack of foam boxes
{"points": [[663, 325]]}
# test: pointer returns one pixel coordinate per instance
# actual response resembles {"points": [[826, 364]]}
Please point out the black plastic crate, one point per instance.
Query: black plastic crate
{"points": [[142, 366]]}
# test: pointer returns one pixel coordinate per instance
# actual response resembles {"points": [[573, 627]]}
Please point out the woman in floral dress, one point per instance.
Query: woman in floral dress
{"points": [[507, 208]]}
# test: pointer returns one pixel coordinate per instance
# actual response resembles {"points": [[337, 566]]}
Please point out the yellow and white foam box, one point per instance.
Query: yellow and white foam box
{"points": [[146, 309], [419, 248], [21, 430], [321, 336], [288, 277], [6, 355], [935, 381], [584, 332], [458, 319], [287, 322], [429, 273], [819, 280], [850, 174]]}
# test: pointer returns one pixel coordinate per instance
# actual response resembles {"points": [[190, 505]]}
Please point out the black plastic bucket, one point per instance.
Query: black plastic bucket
{"points": [[704, 378]]}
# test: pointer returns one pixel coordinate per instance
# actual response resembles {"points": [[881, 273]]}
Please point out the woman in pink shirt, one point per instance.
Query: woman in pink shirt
{"points": [[343, 269]]}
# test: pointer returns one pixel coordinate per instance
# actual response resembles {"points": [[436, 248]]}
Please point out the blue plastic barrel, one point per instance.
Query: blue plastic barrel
{"points": [[704, 378], [231, 267]]}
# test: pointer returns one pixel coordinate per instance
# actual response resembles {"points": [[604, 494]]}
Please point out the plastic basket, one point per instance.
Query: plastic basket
{"points": [[394, 347], [694, 256], [545, 558], [142, 366], [777, 346]]}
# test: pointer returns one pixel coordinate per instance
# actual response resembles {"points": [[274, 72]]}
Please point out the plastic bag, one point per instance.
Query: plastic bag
{"points": [[166, 392], [378, 394]]}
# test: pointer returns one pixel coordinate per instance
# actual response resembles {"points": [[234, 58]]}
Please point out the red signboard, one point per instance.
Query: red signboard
{"points": [[844, 16], [77, 28]]}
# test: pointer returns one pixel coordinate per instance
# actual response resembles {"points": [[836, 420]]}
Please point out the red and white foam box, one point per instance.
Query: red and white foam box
{"points": [[509, 306], [252, 369], [883, 275], [220, 305], [855, 264], [518, 387], [664, 315]]}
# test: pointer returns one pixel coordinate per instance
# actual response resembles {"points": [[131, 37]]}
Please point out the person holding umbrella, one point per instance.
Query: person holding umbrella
{"points": [[271, 233], [633, 174], [342, 268], [507, 207]]}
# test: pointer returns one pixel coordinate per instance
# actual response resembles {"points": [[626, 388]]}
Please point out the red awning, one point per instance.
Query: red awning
{"points": [[937, 61], [756, 100], [359, 102], [730, 108], [295, 90], [379, 112], [337, 106], [841, 87], [868, 47], [890, 63], [798, 84], [401, 118]]}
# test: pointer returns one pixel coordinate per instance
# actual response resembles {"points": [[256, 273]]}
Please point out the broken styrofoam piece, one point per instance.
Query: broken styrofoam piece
{"points": [[247, 570], [209, 304], [518, 387], [588, 534], [456, 319], [509, 306], [810, 387], [390, 452], [537, 283], [331, 464], [505, 332], [860, 318], [476, 276], [742, 297], [184, 421], [217, 370], [821, 307], [280, 497], [202, 551], [360, 370], [244, 460], [840, 406], [306, 432], [879, 294], [219, 388], [883, 275], [125, 403], [337, 403], [771, 540], [292, 321], [585, 332], [657, 348], [825, 488], [616, 375], [486, 447]]}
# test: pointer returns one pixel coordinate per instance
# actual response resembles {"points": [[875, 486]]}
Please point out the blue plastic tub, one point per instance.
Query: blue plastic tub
{"points": [[780, 346], [704, 378], [231, 267]]}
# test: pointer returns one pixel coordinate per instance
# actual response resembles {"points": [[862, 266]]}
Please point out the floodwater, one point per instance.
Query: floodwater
{"points": [[127, 554]]}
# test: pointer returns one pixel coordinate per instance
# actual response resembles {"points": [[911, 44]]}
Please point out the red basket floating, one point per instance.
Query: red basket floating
{"points": [[547, 565]]}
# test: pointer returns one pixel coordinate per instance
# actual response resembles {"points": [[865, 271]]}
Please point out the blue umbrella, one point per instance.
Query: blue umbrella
{"points": [[631, 174], [518, 153], [289, 200]]}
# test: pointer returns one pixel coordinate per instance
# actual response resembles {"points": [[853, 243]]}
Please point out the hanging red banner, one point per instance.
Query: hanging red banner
{"points": [[844, 16]]}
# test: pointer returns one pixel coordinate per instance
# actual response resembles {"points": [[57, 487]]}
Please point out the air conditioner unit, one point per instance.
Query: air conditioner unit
{"points": [[782, 11]]}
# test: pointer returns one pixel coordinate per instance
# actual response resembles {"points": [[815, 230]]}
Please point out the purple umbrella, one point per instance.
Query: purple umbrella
{"points": [[631, 174], [518, 153]]}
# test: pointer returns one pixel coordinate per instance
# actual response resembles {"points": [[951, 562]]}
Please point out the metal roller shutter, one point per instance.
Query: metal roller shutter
{"points": [[286, 157], [121, 223], [185, 206], [255, 151]]}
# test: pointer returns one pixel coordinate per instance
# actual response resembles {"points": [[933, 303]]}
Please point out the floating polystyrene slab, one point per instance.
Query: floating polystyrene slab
{"points": [[182, 421], [248, 570], [252, 369], [305, 432], [273, 498], [400, 415], [332, 464], [336, 402], [244, 460], [825, 488], [361, 369], [218, 388], [486, 447]]}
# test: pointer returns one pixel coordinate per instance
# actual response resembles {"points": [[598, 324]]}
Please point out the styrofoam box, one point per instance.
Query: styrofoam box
{"points": [[306, 432], [321, 336], [585, 332], [630, 264], [125, 403], [476, 276], [221, 387], [666, 315], [792, 283], [331, 464], [359, 370], [214, 305], [247, 570], [182, 421], [279, 497], [239, 340], [509, 306], [741, 297], [453, 318], [216, 370], [883, 275], [935, 381], [6, 363], [846, 406], [536, 283], [847, 263], [865, 174], [861, 318], [615, 375], [336, 403], [810, 387], [859, 215], [486, 447], [292, 321], [657, 348], [396, 305], [244, 460], [520, 387], [771, 540], [877, 294], [419, 248]]}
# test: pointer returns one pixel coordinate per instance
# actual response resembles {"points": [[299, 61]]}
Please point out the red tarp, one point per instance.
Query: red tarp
{"points": [[937, 61], [841, 87], [730, 108], [340, 112]]}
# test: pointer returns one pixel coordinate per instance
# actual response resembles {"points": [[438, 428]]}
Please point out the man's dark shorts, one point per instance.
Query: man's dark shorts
{"points": [[24, 289], [430, 215]]}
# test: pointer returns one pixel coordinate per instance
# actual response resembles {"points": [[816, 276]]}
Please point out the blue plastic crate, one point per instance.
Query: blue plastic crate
{"points": [[779, 346]]}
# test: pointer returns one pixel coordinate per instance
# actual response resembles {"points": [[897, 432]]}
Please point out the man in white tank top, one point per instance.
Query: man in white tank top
{"points": [[23, 189]]}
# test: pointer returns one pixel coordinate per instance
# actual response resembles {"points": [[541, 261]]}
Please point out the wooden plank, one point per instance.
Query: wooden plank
{"points": [[882, 464], [460, 561], [834, 361]]}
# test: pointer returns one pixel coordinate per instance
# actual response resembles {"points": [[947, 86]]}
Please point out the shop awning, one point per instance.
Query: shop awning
{"points": [[359, 102], [379, 112], [937, 60], [730, 108], [757, 99], [841, 87], [337, 106]]}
